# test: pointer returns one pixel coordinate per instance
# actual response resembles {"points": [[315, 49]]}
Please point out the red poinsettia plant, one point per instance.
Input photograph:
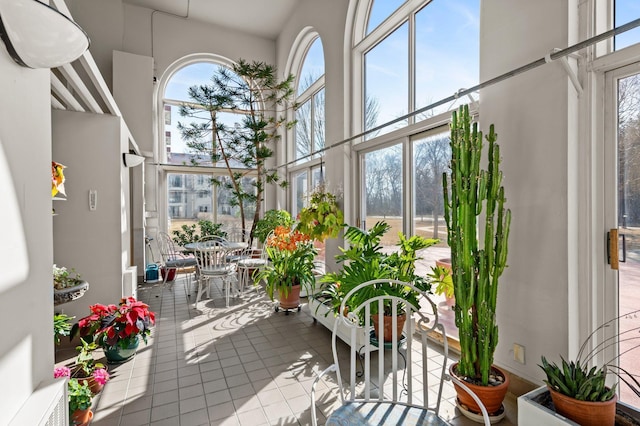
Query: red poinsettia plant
{"points": [[116, 325]]}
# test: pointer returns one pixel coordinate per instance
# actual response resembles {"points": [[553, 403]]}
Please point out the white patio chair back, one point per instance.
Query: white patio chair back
{"points": [[391, 378], [252, 260], [214, 266], [175, 260]]}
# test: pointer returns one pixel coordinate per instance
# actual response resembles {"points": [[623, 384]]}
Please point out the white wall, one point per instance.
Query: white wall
{"points": [[26, 307], [328, 19], [531, 114], [95, 243], [133, 92]]}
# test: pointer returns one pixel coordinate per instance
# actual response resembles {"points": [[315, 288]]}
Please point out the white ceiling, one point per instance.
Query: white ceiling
{"points": [[264, 18]]}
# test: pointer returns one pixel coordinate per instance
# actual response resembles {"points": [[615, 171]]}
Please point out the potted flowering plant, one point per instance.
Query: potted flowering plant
{"points": [[67, 285], [291, 254], [79, 394], [117, 328]]}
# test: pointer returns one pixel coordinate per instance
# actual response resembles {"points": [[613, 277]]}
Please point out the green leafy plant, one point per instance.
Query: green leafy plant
{"points": [[272, 219], [187, 233], [80, 395], [579, 380], [61, 326], [63, 278], [85, 362], [291, 256], [470, 192], [364, 261], [252, 92], [441, 277], [322, 218]]}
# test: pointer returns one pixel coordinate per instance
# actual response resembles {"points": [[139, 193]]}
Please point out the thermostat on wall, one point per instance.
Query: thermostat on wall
{"points": [[93, 199]]}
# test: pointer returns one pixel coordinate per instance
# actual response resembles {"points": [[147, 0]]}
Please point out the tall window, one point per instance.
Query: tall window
{"points": [[309, 131], [415, 53], [202, 192]]}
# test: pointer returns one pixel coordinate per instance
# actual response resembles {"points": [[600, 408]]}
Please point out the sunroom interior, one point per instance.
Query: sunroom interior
{"points": [[375, 83]]}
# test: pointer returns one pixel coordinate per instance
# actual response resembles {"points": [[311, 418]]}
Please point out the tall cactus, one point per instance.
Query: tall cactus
{"points": [[467, 191]]}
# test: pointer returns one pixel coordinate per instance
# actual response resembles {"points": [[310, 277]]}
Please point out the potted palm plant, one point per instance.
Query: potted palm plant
{"points": [[477, 231], [365, 261]]}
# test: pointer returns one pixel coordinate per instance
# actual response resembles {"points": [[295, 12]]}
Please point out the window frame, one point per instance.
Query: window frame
{"points": [[160, 154]]}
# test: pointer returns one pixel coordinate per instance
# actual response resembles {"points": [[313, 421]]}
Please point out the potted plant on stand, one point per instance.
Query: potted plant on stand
{"points": [[290, 267], [117, 329], [365, 261], [67, 285], [476, 263]]}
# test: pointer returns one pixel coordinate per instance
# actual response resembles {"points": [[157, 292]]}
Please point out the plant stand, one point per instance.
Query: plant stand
{"points": [[322, 313], [70, 293]]}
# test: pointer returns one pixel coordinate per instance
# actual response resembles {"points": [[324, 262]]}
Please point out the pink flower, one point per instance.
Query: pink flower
{"points": [[100, 375], [61, 372]]}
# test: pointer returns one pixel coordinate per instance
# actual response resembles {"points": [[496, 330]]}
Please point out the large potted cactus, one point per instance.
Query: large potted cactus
{"points": [[478, 230]]}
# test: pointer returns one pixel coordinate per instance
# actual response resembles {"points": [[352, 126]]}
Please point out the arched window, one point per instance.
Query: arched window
{"points": [[195, 176], [407, 55], [307, 64], [309, 130], [410, 54]]}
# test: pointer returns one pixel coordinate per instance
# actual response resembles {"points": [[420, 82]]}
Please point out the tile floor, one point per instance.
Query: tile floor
{"points": [[213, 365]]}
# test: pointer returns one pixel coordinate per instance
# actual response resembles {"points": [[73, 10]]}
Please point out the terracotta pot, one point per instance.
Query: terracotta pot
{"points": [[491, 396], [585, 413], [81, 417], [388, 323], [95, 387], [292, 300]]}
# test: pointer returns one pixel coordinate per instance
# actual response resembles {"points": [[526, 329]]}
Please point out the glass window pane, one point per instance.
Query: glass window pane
{"points": [[317, 177], [228, 208], [386, 81], [191, 75], [190, 199], [626, 11], [318, 120], [300, 183], [447, 51], [380, 10], [383, 190], [313, 66], [431, 157], [303, 130]]}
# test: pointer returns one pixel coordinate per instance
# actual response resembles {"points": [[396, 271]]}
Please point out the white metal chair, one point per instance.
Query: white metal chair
{"points": [[174, 260], [252, 259], [394, 386], [214, 265]]}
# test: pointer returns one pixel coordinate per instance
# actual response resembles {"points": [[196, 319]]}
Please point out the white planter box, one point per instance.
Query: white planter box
{"points": [[531, 413], [323, 314]]}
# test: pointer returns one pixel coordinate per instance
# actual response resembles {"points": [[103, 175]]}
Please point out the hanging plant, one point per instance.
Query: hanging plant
{"points": [[322, 218]]}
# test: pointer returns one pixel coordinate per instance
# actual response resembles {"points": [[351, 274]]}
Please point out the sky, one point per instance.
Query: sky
{"points": [[447, 58]]}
